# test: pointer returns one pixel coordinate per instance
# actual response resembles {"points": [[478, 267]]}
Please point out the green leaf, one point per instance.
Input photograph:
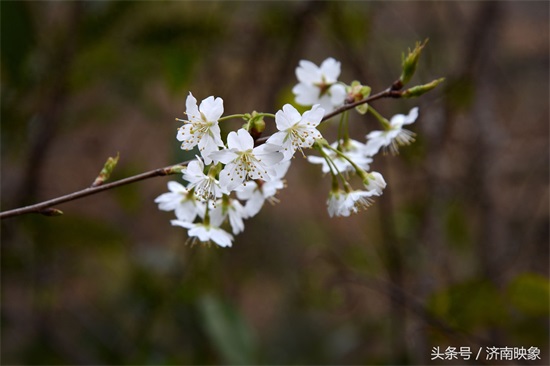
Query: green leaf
{"points": [[227, 331]]}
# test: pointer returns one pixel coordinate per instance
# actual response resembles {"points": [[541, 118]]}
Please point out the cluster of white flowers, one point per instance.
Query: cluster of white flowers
{"points": [[230, 181]]}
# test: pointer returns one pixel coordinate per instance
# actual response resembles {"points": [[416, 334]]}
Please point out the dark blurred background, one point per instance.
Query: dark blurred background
{"points": [[455, 253]]}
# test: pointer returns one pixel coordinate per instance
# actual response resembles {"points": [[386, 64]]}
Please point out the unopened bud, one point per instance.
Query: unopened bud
{"points": [[409, 63], [105, 173], [174, 169], [256, 125], [418, 90], [51, 212]]}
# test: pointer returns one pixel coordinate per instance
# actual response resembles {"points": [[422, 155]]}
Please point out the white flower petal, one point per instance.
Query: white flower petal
{"points": [[220, 237], [215, 134], [376, 183], [186, 211], [337, 94], [176, 187], [308, 72], [268, 154], [191, 108], [212, 108], [201, 232], [306, 94], [412, 116], [167, 201], [314, 116], [240, 140], [286, 118], [282, 140], [231, 177], [291, 114], [183, 224], [330, 69], [254, 204], [224, 156]]}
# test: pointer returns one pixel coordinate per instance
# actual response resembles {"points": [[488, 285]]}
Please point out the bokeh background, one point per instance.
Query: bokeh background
{"points": [[455, 253]]}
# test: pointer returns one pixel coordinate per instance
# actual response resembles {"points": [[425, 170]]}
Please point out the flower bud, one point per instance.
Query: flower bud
{"points": [[256, 125], [174, 169], [409, 63], [51, 212], [105, 173], [418, 90]]}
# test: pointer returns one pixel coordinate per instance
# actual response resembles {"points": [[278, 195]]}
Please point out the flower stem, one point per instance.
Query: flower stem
{"points": [[383, 121], [334, 171], [224, 118]]}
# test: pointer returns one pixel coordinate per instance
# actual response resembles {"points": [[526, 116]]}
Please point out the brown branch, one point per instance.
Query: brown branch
{"points": [[45, 207], [388, 93]]}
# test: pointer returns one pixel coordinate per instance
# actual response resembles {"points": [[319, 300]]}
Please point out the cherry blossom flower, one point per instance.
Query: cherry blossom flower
{"points": [[354, 151], [206, 232], [334, 201], [245, 162], [394, 135], [374, 181], [318, 85], [206, 186], [342, 203], [229, 208], [256, 193], [296, 131], [180, 200], [202, 127]]}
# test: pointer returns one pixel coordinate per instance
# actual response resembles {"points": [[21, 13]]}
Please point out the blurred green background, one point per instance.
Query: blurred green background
{"points": [[455, 253]]}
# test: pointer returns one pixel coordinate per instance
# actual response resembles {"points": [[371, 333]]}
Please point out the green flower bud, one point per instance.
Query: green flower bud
{"points": [[256, 125], [51, 212], [418, 90], [174, 169], [105, 173], [409, 63]]}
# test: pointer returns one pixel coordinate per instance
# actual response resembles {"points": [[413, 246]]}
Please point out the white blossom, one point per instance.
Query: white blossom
{"points": [[201, 128], [245, 162], [334, 201], [354, 151], [318, 85], [229, 208], [342, 203], [206, 186], [375, 181], [181, 201], [296, 131], [394, 135], [206, 232], [256, 193]]}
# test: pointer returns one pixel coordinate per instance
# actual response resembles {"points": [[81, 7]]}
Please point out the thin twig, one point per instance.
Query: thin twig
{"points": [[390, 92], [44, 207]]}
